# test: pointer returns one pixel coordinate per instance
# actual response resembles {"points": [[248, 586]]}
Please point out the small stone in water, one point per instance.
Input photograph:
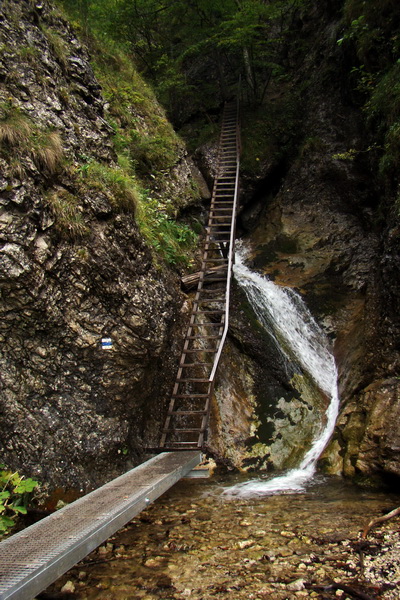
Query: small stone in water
{"points": [[287, 534], [153, 562], [245, 544], [296, 586], [68, 588], [260, 533]]}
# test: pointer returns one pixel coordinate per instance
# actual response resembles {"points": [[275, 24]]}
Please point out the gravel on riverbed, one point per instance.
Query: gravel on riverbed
{"points": [[193, 545]]}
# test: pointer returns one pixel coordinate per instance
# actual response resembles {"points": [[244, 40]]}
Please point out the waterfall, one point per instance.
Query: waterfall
{"points": [[287, 318]]}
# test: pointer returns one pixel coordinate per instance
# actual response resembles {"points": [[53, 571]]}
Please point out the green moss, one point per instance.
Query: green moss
{"points": [[29, 54]]}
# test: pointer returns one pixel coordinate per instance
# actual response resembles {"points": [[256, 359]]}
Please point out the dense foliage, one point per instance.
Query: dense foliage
{"points": [[193, 52], [373, 32]]}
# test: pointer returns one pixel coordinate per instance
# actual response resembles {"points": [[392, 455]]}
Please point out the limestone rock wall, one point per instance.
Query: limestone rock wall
{"points": [[71, 413], [325, 227]]}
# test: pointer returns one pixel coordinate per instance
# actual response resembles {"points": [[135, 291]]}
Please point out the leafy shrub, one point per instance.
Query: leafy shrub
{"points": [[173, 241], [14, 497]]}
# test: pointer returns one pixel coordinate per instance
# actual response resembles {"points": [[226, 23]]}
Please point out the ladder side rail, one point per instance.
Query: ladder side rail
{"points": [[229, 275]]}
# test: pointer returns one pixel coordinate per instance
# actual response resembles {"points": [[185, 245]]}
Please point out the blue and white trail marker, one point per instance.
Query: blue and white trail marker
{"points": [[106, 343]]}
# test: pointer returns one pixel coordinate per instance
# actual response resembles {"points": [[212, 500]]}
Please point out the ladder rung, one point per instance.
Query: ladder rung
{"points": [[194, 350], [213, 324], [212, 260], [197, 364], [203, 337], [176, 443], [188, 412], [191, 430], [190, 396], [214, 291], [192, 380]]}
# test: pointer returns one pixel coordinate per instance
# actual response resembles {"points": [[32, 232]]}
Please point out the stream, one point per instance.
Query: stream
{"points": [[195, 543], [293, 536]]}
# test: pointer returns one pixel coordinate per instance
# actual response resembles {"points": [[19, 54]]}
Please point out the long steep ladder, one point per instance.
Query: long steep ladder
{"points": [[188, 414]]}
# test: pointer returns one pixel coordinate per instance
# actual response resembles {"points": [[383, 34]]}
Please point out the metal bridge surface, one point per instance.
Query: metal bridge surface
{"points": [[35, 557], [187, 419]]}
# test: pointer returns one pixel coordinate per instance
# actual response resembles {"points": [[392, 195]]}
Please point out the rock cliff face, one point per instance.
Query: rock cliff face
{"points": [[74, 269], [314, 222]]}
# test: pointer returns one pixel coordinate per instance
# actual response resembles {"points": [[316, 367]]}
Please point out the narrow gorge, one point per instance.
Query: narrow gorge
{"points": [[102, 212]]}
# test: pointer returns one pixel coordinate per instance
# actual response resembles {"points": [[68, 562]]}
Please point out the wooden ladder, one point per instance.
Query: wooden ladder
{"points": [[188, 414]]}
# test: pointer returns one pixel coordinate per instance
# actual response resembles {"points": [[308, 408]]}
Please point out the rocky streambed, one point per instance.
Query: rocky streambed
{"points": [[195, 542]]}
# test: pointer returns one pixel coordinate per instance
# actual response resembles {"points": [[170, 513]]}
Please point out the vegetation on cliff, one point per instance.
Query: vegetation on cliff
{"points": [[193, 54], [96, 191], [372, 33]]}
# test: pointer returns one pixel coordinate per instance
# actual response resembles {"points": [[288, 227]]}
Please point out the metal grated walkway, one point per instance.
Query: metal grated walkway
{"points": [[35, 557], [187, 419]]}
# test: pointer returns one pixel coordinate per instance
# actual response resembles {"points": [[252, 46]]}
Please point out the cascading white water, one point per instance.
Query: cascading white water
{"points": [[292, 323]]}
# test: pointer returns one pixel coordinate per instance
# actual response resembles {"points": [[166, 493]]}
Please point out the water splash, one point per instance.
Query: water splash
{"points": [[283, 311]]}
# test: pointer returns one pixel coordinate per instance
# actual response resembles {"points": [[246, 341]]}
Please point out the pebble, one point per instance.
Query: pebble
{"points": [[245, 544], [288, 534], [68, 588], [153, 562], [296, 586]]}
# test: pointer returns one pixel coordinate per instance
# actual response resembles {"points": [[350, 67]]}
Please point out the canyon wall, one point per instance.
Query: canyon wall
{"points": [[74, 268], [320, 221]]}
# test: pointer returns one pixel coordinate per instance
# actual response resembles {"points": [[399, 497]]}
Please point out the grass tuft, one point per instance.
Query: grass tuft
{"points": [[20, 137], [15, 127], [121, 188], [69, 219], [47, 151]]}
